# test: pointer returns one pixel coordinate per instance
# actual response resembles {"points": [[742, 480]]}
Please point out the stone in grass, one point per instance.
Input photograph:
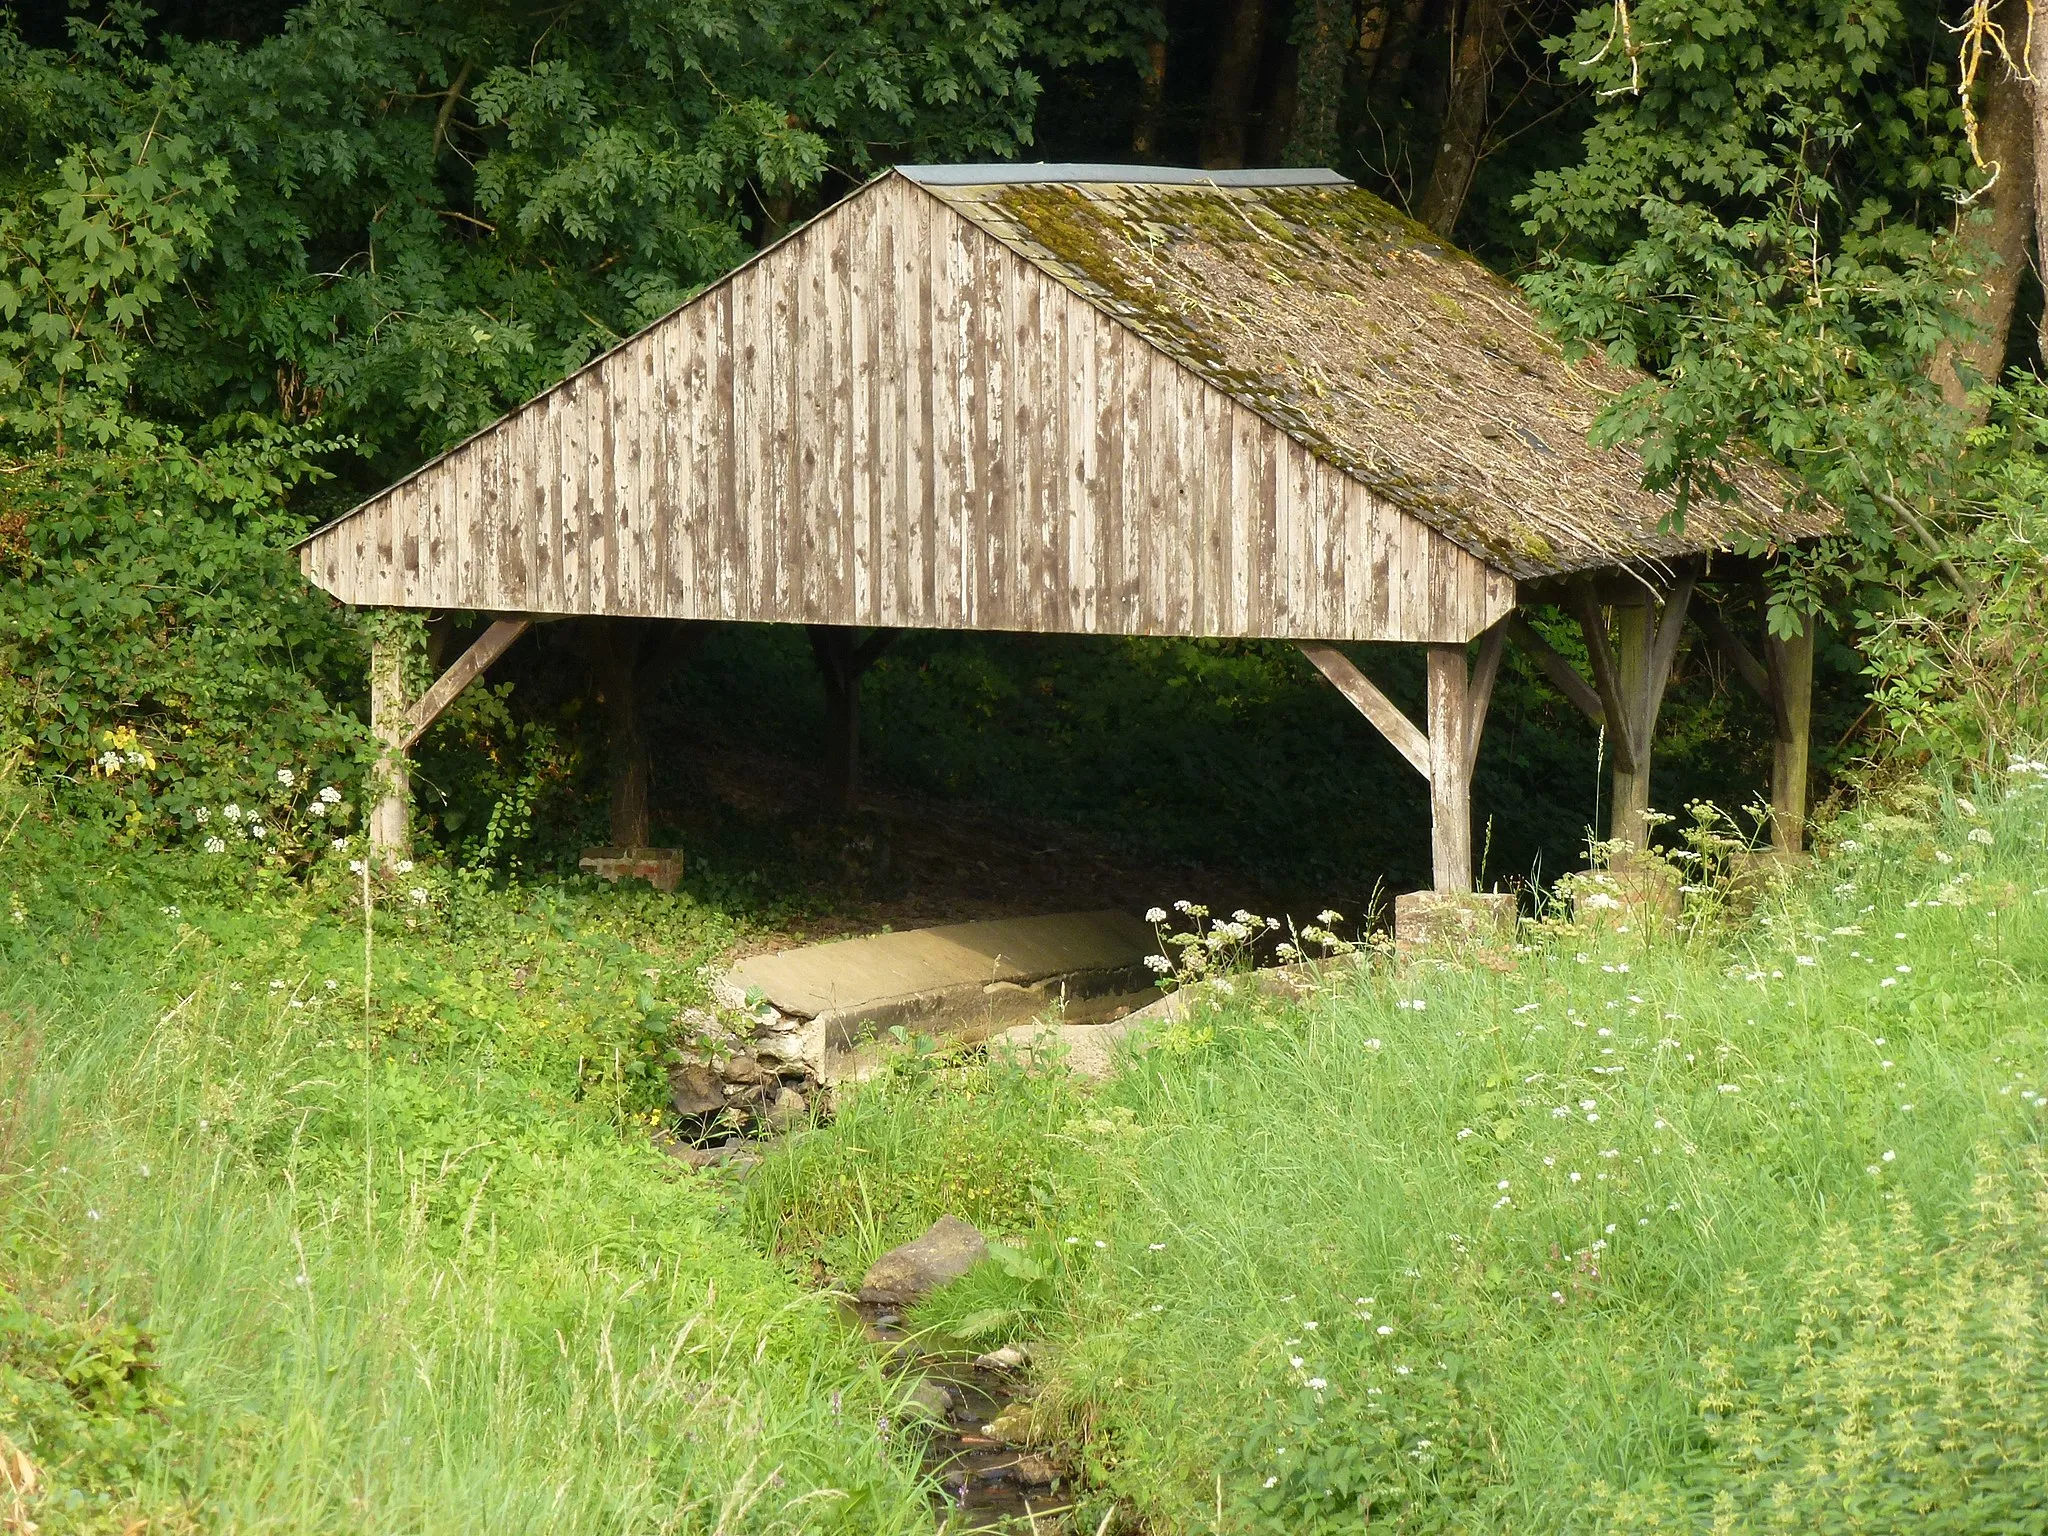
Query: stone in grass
{"points": [[1034, 1471], [1012, 1426], [948, 1249], [929, 1399], [694, 1089], [1008, 1358], [787, 1112]]}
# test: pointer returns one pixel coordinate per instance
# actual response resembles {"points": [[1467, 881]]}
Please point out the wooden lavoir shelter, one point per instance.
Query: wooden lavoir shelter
{"points": [[1096, 400]]}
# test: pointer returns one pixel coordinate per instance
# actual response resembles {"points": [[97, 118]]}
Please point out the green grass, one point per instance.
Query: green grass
{"points": [[256, 1277], [1736, 1233], [260, 1271]]}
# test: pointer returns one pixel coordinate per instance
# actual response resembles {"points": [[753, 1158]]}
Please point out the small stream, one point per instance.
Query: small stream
{"points": [[984, 1484]]}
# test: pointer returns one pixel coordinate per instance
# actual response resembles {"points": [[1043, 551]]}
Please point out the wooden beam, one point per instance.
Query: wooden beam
{"points": [[1560, 672], [1585, 606], [1480, 692], [1450, 784], [1742, 659], [1664, 649], [469, 666], [1382, 711], [1792, 679]]}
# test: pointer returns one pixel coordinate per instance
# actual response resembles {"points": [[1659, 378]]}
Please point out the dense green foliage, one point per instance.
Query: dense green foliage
{"points": [[250, 276], [262, 1270], [1628, 1235]]}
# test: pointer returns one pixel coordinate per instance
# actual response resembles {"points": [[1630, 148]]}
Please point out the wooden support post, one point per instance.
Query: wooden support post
{"points": [[1785, 682], [1628, 817], [842, 662], [1630, 677], [629, 760], [1792, 681], [1558, 670], [389, 822], [1450, 778], [1444, 755], [628, 658]]}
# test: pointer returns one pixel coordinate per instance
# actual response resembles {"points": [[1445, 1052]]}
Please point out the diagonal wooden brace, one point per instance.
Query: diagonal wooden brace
{"points": [[1560, 672], [1585, 607], [469, 666], [1408, 739], [1480, 692]]}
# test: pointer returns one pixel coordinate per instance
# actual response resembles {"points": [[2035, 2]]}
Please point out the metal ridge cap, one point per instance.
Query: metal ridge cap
{"points": [[1011, 173]]}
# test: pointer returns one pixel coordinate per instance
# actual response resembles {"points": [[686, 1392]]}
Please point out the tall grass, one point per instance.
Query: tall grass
{"points": [[256, 1277], [1625, 1234]]}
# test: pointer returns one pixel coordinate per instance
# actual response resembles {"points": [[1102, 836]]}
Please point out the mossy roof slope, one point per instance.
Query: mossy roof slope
{"points": [[1390, 354]]}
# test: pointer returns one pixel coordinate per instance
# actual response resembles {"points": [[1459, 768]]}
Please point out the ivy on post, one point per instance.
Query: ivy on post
{"points": [[397, 652]]}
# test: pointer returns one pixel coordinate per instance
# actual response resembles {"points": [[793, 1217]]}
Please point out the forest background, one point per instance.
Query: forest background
{"points": [[260, 260]]}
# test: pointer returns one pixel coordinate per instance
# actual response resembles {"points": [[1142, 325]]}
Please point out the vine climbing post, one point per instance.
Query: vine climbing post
{"points": [[390, 796]]}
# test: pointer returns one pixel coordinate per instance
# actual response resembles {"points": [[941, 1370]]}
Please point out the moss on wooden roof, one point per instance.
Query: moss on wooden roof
{"points": [[1388, 353]]}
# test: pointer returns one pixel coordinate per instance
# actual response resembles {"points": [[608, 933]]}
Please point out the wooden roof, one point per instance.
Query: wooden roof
{"points": [[1370, 340], [1068, 399]]}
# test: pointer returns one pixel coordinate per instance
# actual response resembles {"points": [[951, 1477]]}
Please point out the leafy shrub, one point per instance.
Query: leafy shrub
{"points": [[84, 1402], [1913, 1395]]}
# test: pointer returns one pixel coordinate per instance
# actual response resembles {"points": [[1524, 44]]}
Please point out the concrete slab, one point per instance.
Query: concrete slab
{"points": [[856, 975]]}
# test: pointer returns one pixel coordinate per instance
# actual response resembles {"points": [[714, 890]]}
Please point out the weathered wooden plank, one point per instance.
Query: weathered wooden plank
{"points": [[746, 449], [678, 375], [993, 501], [722, 547], [571, 585], [854, 456], [1406, 738], [1209, 603], [894, 418], [814, 550], [538, 530], [1130, 516]]}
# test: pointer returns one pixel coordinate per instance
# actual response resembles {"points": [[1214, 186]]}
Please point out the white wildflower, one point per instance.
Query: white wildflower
{"points": [[216, 845]]}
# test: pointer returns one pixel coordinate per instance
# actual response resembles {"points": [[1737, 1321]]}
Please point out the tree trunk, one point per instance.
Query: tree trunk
{"points": [[1397, 50], [1481, 39], [1151, 103], [1230, 89], [1373, 22], [2037, 70], [2005, 138], [1322, 55]]}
